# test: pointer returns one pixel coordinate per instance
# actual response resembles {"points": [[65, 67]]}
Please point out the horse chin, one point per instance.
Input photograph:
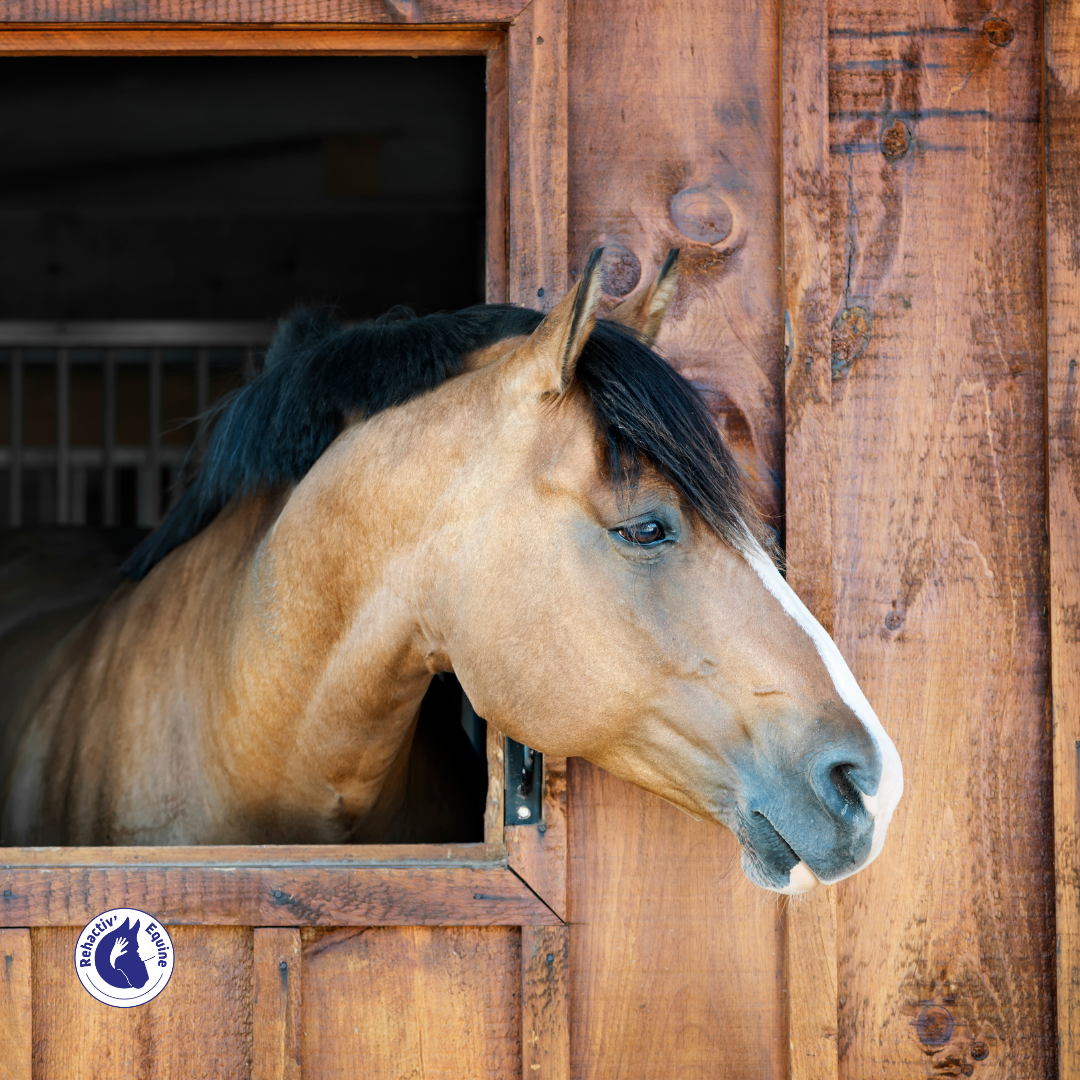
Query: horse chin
{"points": [[794, 882]]}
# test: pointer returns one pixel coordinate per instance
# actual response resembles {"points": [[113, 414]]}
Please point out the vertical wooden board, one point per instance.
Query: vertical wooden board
{"points": [[1062, 128], [946, 943], [497, 151], [675, 142], [545, 1003], [674, 131], [538, 131], [434, 1003], [16, 1036], [676, 959], [199, 1026], [275, 1028], [537, 853]]}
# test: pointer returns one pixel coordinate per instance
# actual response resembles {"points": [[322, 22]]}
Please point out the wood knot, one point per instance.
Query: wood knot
{"points": [[701, 214], [934, 1026], [620, 270], [895, 140], [998, 31], [851, 331]]}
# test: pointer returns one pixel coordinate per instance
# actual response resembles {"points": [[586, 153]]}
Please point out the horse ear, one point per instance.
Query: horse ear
{"points": [[645, 313], [557, 342]]}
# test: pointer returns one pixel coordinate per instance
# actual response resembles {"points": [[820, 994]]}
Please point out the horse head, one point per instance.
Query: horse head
{"points": [[608, 593]]}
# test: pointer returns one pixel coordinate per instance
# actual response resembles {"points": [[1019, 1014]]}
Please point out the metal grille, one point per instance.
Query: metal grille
{"points": [[99, 418]]}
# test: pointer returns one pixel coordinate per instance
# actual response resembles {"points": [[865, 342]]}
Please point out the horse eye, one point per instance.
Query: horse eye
{"points": [[643, 532]]}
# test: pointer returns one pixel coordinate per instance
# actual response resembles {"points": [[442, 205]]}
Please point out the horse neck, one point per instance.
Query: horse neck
{"points": [[334, 636]]}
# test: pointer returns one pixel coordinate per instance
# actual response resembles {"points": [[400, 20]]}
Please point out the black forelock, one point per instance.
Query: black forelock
{"points": [[270, 432]]}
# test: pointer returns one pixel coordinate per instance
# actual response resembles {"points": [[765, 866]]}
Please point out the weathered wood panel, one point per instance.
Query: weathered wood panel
{"points": [[263, 11], [275, 1027], [197, 1028], [497, 153], [538, 133], [537, 853], [676, 959], [437, 1003], [545, 1003], [110, 40], [810, 939], [68, 887], [675, 142], [1062, 127], [946, 943], [16, 1033]]}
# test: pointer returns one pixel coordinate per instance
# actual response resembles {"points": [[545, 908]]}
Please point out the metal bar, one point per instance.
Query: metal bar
{"points": [[109, 477], [63, 431], [123, 334], [154, 454], [15, 494]]}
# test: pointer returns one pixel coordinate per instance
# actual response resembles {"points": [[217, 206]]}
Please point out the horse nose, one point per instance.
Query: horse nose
{"points": [[846, 778]]}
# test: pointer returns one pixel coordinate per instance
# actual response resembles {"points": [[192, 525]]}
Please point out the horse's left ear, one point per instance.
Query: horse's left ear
{"points": [[556, 343], [645, 312]]}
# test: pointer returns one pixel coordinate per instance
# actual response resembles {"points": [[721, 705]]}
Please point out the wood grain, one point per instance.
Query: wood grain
{"points": [[497, 157], [537, 853], [494, 808], [810, 937], [437, 1003], [262, 11], [939, 522], [275, 1028], [197, 1028], [677, 961], [276, 896], [16, 1032], [1061, 82], [667, 100], [537, 166], [545, 1003], [106, 40]]}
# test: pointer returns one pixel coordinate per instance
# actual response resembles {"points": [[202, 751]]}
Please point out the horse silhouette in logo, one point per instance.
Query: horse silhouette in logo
{"points": [[117, 958]]}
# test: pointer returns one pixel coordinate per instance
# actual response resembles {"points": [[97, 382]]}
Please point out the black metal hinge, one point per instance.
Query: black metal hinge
{"points": [[524, 784]]}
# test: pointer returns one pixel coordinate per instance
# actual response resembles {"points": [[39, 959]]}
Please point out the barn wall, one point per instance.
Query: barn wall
{"points": [[931, 196]]}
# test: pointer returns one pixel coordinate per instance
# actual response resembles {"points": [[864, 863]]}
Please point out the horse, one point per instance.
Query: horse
{"points": [[537, 503]]}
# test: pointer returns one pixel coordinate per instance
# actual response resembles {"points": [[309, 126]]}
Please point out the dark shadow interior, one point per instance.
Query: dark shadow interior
{"points": [[195, 190]]}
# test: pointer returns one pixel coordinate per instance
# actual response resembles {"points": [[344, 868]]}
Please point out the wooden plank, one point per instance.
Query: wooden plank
{"points": [[494, 808], [674, 114], [545, 1003], [58, 39], [810, 937], [537, 853], [1061, 81], [537, 275], [197, 1028], [354, 856], [275, 1027], [16, 1033], [288, 896], [676, 962], [946, 960], [497, 179], [412, 1002], [430, 12]]}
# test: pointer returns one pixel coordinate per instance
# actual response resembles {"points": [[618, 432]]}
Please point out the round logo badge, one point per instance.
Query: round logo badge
{"points": [[124, 957]]}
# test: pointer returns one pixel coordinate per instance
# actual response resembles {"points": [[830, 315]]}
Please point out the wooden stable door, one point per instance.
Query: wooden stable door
{"points": [[878, 211]]}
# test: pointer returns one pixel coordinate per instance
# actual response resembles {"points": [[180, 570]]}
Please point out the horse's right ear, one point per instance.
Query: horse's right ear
{"points": [[645, 312], [555, 345]]}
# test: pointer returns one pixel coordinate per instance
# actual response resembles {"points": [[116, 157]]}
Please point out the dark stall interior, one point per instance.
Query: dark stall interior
{"points": [[157, 216]]}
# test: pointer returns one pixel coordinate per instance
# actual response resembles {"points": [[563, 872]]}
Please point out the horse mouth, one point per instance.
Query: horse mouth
{"points": [[768, 860]]}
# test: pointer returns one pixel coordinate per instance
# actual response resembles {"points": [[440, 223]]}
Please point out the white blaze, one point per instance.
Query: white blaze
{"points": [[882, 804]]}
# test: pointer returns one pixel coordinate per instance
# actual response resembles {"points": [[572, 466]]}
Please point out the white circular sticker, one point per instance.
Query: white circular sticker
{"points": [[124, 957]]}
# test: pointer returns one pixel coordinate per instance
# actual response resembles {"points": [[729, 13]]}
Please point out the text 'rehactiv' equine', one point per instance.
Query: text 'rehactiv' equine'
{"points": [[540, 505]]}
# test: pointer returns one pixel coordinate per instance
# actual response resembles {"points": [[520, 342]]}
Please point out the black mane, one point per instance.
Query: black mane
{"points": [[271, 431]]}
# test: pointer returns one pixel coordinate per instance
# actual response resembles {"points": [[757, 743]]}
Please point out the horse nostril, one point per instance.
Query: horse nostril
{"points": [[841, 780]]}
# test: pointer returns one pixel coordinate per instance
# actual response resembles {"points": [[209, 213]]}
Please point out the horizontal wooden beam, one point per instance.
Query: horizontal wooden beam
{"points": [[430, 885], [244, 40], [431, 12], [274, 896]]}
